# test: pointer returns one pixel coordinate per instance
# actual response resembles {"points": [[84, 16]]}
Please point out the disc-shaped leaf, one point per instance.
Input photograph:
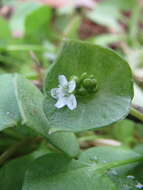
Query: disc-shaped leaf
{"points": [[22, 102], [111, 101], [63, 173]]}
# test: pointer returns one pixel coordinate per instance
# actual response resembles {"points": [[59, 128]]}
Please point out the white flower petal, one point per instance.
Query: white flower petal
{"points": [[63, 93], [61, 103], [63, 81], [71, 86], [71, 102], [55, 93]]}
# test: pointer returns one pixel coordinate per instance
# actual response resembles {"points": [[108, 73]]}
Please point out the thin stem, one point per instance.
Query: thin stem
{"points": [[136, 114], [13, 149]]}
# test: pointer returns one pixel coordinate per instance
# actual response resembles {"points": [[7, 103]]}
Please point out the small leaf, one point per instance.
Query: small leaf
{"points": [[17, 21], [22, 21], [106, 15], [36, 31], [111, 101]]}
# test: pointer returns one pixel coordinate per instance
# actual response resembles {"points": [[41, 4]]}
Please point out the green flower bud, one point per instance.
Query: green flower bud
{"points": [[94, 82], [82, 91], [91, 76], [87, 83], [83, 76]]}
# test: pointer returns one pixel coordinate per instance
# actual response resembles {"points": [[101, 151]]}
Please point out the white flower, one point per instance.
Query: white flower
{"points": [[139, 186], [64, 93]]}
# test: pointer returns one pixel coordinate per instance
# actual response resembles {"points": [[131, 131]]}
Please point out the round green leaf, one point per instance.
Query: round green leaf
{"points": [[23, 10], [111, 101], [35, 31]]}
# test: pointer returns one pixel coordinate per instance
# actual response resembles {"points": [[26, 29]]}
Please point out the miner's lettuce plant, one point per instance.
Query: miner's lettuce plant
{"points": [[88, 87]]}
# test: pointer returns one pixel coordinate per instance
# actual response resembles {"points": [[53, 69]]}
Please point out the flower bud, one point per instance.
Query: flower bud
{"points": [[82, 91], [91, 76], [87, 83], [83, 76], [93, 82]]}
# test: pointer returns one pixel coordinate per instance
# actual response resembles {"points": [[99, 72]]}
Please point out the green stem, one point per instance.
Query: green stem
{"points": [[136, 114], [13, 149]]}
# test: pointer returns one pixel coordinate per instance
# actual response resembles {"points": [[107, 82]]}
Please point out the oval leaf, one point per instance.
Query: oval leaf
{"points": [[109, 104]]}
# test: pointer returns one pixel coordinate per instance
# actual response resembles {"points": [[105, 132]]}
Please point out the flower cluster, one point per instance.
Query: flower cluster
{"points": [[66, 91], [86, 84]]}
